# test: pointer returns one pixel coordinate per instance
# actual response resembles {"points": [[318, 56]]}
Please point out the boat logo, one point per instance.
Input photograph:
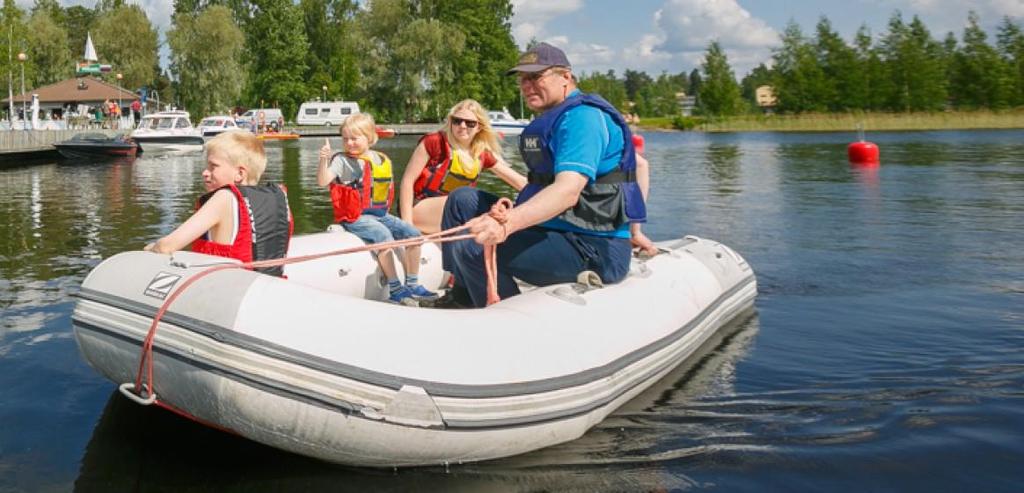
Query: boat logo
{"points": [[161, 285]]}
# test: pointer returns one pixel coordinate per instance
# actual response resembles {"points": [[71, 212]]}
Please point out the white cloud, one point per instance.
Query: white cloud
{"points": [[158, 11], [529, 17], [690, 25]]}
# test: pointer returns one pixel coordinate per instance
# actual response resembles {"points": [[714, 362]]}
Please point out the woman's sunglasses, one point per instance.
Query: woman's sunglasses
{"points": [[456, 121]]}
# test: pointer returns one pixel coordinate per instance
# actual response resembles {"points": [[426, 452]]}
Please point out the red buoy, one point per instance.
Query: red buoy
{"points": [[638, 143], [862, 153]]}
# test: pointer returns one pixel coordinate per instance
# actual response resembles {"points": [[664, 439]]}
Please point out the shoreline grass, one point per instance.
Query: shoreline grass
{"points": [[843, 122]]}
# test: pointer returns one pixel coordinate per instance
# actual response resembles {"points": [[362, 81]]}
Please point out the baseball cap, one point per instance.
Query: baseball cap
{"points": [[540, 57]]}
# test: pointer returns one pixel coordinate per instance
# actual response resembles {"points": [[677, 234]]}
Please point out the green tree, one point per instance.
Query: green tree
{"points": [[981, 79], [78, 22], [720, 94], [406, 60], [874, 84], [694, 83], [800, 83], [1010, 40], [839, 64], [606, 85], [914, 65], [277, 47], [126, 39], [206, 53], [13, 40], [635, 82], [659, 97], [48, 50], [488, 52], [332, 59]]}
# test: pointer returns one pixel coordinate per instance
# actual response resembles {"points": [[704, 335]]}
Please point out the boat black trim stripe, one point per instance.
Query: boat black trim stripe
{"points": [[438, 389], [319, 400]]}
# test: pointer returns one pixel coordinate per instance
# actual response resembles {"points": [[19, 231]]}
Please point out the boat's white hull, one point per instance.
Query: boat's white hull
{"points": [[296, 365], [511, 129]]}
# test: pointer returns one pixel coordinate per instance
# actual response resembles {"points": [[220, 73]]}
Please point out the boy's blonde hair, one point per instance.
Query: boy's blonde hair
{"points": [[484, 140], [361, 123], [241, 148]]}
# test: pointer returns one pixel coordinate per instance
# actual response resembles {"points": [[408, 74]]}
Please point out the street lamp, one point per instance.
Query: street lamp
{"points": [[24, 112], [324, 88], [119, 77]]}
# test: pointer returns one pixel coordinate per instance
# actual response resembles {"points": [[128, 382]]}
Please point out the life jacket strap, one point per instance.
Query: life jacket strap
{"points": [[617, 176]]}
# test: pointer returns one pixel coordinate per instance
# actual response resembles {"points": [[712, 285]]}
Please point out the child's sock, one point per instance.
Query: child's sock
{"points": [[411, 280], [394, 285]]}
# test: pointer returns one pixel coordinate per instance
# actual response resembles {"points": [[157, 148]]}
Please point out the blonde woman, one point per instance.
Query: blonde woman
{"points": [[450, 158]]}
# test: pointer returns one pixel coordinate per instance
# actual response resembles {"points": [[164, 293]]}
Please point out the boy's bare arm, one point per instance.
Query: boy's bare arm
{"points": [[215, 211]]}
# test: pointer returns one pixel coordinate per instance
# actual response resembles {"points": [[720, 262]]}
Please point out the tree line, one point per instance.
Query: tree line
{"points": [[410, 60], [404, 60], [904, 69]]}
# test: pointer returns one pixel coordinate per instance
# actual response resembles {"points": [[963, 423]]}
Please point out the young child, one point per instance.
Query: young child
{"points": [[237, 217], [362, 189]]}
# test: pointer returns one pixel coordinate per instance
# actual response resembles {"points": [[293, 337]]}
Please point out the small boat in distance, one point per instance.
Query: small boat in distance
{"points": [[385, 133], [213, 125], [167, 131], [503, 123], [97, 145], [270, 135]]}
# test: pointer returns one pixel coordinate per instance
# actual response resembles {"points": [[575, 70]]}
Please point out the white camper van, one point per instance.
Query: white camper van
{"points": [[325, 112]]}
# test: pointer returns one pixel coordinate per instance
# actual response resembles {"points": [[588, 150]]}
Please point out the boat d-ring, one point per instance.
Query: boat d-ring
{"points": [[127, 389]]}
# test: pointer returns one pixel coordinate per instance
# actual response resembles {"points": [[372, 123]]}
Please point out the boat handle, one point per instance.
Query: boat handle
{"points": [[127, 389]]}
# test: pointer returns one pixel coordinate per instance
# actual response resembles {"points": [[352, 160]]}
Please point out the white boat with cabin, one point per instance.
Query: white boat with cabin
{"points": [[216, 124], [503, 122], [167, 131], [318, 364]]}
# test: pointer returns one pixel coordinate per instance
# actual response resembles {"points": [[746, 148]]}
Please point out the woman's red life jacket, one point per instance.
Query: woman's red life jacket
{"points": [[264, 226], [372, 192], [438, 178]]}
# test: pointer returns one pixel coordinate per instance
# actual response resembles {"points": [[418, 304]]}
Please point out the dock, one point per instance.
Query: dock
{"points": [[24, 145]]}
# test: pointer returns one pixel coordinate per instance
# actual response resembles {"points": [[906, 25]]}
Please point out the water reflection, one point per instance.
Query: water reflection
{"points": [[134, 445]]}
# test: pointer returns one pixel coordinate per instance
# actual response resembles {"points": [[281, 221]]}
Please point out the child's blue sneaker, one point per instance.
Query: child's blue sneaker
{"points": [[419, 291], [402, 296]]}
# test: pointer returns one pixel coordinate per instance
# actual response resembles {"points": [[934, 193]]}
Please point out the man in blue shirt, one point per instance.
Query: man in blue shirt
{"points": [[583, 194]]}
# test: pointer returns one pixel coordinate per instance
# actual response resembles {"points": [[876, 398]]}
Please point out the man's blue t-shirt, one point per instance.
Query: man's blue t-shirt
{"points": [[586, 140]]}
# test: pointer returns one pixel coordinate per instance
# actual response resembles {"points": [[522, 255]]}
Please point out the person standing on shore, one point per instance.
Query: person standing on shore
{"points": [[583, 194]]}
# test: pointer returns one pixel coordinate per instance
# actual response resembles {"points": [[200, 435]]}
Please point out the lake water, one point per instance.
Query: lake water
{"points": [[885, 353]]}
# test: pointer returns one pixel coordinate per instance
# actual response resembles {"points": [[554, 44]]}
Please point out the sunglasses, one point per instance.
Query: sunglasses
{"points": [[456, 121], [535, 76]]}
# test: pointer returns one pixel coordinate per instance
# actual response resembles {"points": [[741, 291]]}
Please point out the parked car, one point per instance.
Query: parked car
{"points": [[272, 117]]}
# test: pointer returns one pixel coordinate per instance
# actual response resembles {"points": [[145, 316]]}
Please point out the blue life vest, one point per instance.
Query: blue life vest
{"points": [[612, 199]]}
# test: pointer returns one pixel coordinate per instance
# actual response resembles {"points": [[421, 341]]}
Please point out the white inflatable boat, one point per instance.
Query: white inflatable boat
{"points": [[317, 365]]}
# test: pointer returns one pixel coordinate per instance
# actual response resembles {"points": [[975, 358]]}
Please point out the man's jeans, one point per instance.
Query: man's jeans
{"points": [[536, 255]]}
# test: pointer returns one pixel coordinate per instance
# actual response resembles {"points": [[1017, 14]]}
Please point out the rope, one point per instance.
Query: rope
{"points": [[499, 212]]}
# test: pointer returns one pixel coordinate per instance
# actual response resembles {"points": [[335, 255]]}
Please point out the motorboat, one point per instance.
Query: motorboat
{"points": [[319, 364], [93, 145], [503, 123], [167, 131], [213, 125], [384, 132]]}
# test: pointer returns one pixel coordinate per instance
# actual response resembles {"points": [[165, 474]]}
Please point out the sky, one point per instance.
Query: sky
{"points": [[658, 36]]}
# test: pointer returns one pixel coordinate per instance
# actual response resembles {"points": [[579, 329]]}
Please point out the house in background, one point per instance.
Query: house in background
{"points": [[75, 96]]}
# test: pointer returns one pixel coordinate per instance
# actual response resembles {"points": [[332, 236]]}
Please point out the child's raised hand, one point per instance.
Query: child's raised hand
{"points": [[325, 151]]}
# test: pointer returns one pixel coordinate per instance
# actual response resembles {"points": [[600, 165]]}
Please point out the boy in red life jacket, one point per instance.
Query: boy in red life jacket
{"points": [[237, 217], [362, 188]]}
